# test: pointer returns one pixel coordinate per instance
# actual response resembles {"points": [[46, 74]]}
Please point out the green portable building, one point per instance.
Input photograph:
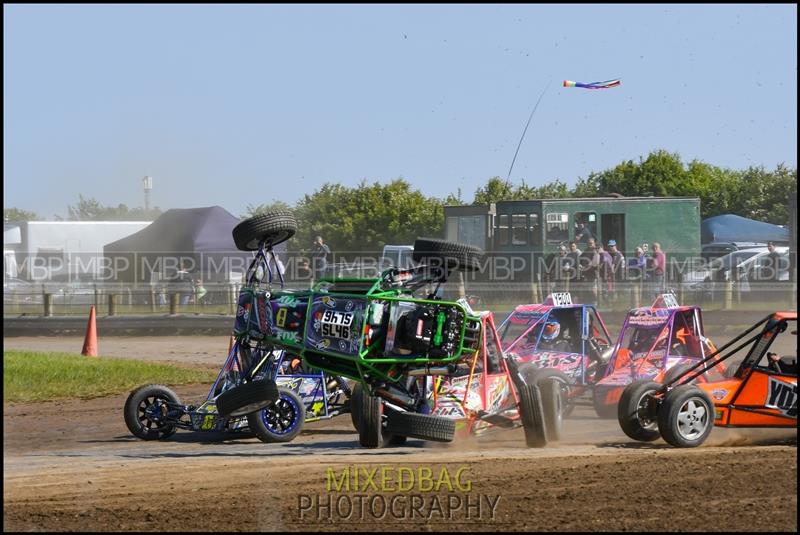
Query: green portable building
{"points": [[529, 229]]}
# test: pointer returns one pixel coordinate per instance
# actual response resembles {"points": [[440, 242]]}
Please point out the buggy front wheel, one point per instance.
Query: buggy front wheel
{"points": [[637, 411], [372, 431], [686, 417], [282, 421], [554, 390], [147, 412], [355, 404], [531, 413]]}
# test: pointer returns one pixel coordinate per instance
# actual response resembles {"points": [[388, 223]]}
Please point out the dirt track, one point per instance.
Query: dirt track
{"points": [[74, 466]]}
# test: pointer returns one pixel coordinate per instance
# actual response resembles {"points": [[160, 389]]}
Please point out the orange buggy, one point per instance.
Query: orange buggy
{"points": [[760, 392]]}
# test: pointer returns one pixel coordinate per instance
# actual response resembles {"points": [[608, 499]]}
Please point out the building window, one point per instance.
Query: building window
{"points": [[585, 227], [472, 230], [519, 234], [556, 228], [502, 229], [534, 229]]}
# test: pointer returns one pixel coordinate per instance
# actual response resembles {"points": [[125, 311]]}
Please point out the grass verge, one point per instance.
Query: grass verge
{"points": [[39, 376]]}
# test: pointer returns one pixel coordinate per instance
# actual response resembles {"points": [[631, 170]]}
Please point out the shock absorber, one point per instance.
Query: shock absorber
{"points": [[342, 382]]}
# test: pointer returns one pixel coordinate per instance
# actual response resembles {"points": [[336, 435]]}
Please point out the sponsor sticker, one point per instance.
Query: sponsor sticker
{"points": [[782, 395], [719, 393]]}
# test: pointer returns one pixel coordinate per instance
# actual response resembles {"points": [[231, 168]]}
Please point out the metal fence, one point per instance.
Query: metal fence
{"points": [[51, 299]]}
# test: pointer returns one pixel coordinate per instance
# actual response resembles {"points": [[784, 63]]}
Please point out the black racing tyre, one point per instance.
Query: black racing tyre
{"points": [[686, 417], [554, 389], [454, 256], [675, 371], [249, 397], [371, 431], [604, 411], [146, 412], [355, 404], [272, 227], [422, 426], [636, 411], [281, 421], [553, 406], [531, 413]]}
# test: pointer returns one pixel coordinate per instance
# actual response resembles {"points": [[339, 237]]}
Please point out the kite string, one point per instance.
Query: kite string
{"points": [[508, 177]]}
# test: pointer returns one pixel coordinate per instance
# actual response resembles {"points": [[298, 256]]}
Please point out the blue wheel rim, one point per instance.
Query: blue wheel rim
{"points": [[283, 416]]}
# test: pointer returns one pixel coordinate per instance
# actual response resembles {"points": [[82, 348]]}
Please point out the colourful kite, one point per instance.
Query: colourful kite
{"points": [[594, 85]]}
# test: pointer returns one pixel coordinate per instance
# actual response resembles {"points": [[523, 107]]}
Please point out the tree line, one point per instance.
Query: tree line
{"points": [[370, 215]]}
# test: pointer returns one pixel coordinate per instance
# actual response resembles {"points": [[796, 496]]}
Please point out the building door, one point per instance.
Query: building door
{"points": [[612, 227]]}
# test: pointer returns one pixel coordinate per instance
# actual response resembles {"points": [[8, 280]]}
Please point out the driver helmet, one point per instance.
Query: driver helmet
{"points": [[551, 330], [681, 335]]}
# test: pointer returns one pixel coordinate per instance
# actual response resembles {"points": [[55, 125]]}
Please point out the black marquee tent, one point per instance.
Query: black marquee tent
{"points": [[734, 228], [199, 237]]}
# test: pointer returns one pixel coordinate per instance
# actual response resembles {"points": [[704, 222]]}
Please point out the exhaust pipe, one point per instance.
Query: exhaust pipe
{"points": [[430, 370], [393, 394]]}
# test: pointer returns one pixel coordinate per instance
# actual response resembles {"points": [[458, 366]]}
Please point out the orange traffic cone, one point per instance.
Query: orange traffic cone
{"points": [[90, 342]]}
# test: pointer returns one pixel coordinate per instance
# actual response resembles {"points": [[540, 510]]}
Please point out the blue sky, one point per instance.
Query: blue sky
{"points": [[238, 105]]}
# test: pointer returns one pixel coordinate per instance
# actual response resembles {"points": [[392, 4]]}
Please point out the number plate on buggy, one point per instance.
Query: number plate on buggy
{"points": [[337, 324]]}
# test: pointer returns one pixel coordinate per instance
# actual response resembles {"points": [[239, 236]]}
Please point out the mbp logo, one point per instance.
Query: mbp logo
{"points": [[782, 396]]}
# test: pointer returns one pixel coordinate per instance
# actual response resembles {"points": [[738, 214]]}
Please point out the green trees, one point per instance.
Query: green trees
{"points": [[89, 209], [15, 214], [754, 192], [365, 217], [368, 216]]}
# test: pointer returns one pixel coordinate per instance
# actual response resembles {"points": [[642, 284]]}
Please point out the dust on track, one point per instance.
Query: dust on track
{"points": [[73, 465]]}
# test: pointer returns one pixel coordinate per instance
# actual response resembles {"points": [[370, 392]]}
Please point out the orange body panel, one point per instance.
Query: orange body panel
{"points": [[774, 396]]}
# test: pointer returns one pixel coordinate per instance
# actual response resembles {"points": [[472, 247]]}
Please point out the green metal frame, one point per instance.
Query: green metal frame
{"points": [[366, 363]]}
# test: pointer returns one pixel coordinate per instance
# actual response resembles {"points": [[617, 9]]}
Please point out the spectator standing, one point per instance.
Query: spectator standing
{"points": [[637, 265], [319, 257], [589, 269], [659, 269], [617, 262], [606, 272], [278, 263], [570, 263], [185, 283], [773, 263]]}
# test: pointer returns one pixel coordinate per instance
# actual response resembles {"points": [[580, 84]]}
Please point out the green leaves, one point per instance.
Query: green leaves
{"points": [[366, 217], [15, 214], [89, 209], [755, 192]]}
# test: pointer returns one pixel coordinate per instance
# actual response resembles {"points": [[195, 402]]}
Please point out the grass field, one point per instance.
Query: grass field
{"points": [[34, 376]]}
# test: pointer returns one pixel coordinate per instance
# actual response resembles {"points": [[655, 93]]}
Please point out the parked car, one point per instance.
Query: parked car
{"points": [[743, 266], [713, 250], [21, 292]]}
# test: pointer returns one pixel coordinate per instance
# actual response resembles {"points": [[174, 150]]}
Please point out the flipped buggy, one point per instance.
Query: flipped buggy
{"points": [[658, 343], [155, 411], [561, 340], [394, 336], [760, 392], [257, 389]]}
